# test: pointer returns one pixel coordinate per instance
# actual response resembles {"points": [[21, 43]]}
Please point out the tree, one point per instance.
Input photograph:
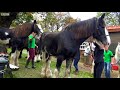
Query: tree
{"points": [[53, 21], [6, 21], [69, 20], [112, 18], [48, 21], [22, 17], [61, 16]]}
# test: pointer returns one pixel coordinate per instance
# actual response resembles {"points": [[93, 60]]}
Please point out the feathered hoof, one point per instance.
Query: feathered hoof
{"points": [[43, 73], [118, 77], [49, 73], [55, 73]]}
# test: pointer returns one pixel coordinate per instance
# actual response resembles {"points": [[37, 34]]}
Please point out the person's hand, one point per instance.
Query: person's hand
{"points": [[91, 57], [36, 46]]}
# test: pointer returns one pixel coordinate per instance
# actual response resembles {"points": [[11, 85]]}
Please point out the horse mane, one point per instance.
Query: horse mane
{"points": [[23, 30], [82, 28]]}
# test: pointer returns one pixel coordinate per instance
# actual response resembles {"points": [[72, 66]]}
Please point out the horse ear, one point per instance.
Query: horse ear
{"points": [[35, 21], [103, 15]]}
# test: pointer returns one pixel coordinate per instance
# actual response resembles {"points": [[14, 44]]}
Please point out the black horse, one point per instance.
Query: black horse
{"points": [[64, 44]]}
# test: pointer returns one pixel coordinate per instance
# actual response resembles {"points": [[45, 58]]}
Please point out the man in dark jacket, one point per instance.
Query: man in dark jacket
{"points": [[98, 60]]}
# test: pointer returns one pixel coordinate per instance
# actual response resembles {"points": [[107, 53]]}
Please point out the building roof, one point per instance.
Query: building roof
{"points": [[113, 28]]}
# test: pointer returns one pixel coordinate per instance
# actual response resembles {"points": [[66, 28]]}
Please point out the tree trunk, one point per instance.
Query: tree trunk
{"points": [[6, 21]]}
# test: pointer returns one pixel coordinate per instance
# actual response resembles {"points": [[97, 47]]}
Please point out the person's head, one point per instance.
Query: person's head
{"points": [[34, 33], [106, 47]]}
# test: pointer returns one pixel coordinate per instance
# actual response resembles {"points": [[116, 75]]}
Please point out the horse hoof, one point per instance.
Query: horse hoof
{"points": [[49, 73], [43, 72], [42, 75]]}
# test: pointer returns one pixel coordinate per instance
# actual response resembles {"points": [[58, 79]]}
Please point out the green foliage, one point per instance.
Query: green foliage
{"points": [[49, 21], [22, 17], [69, 20], [53, 21], [111, 18]]}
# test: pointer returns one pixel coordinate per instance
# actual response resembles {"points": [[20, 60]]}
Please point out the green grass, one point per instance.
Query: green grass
{"points": [[35, 73]]}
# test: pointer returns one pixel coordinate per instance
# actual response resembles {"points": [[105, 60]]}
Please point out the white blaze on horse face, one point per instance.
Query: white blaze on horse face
{"points": [[6, 33], [107, 36]]}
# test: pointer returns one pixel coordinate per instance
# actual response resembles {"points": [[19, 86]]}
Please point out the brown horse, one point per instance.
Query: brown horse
{"points": [[19, 39]]}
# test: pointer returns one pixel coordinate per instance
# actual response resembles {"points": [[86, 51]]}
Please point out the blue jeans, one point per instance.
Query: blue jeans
{"points": [[107, 66], [76, 60]]}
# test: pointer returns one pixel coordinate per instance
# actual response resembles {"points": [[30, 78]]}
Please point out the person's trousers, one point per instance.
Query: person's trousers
{"points": [[76, 60], [107, 66], [98, 68], [31, 57], [31, 54]]}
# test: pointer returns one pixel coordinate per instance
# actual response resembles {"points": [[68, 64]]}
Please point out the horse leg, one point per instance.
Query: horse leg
{"points": [[39, 57], [36, 55], [35, 59], [92, 69], [48, 71], [28, 54], [17, 56], [20, 56], [44, 61], [12, 57], [58, 66], [68, 68]]}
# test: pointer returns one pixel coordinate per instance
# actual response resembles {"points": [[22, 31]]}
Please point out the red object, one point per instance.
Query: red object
{"points": [[114, 67]]}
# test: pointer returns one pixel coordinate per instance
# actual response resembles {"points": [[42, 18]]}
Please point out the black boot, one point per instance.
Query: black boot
{"points": [[27, 63], [33, 64]]}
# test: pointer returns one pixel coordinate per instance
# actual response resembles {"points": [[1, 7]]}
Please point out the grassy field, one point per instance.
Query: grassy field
{"points": [[35, 73]]}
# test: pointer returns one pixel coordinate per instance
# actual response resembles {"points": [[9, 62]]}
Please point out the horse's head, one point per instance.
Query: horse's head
{"points": [[36, 29], [5, 36], [101, 34]]}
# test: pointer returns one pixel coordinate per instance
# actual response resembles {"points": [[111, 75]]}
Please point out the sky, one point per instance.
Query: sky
{"points": [[83, 15]]}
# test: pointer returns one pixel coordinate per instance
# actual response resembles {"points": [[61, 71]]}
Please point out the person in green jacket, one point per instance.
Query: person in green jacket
{"points": [[108, 55], [31, 48]]}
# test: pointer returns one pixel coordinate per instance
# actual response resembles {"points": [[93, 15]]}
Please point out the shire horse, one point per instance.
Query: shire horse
{"points": [[20, 39], [64, 44], [117, 57]]}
